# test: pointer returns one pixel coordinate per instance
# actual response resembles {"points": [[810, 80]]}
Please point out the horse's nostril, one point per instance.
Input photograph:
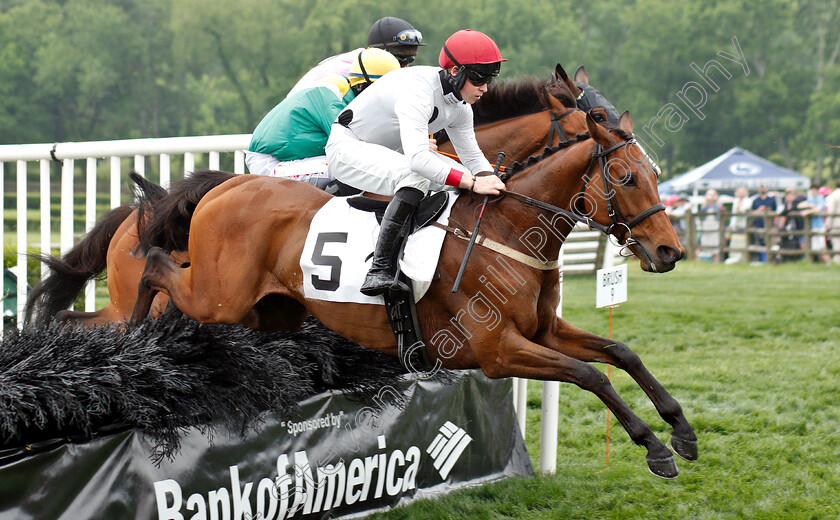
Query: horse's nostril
{"points": [[668, 255]]}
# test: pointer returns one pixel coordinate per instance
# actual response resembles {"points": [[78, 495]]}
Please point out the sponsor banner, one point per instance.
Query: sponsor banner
{"points": [[336, 459]]}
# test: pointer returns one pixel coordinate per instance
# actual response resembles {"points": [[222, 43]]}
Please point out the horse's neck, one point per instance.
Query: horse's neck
{"points": [[556, 180]]}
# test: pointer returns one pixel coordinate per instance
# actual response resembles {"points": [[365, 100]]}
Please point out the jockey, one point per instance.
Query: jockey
{"points": [[289, 141], [380, 144], [395, 35]]}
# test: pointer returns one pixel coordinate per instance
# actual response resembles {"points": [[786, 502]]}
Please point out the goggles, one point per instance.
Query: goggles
{"points": [[478, 79], [409, 37]]}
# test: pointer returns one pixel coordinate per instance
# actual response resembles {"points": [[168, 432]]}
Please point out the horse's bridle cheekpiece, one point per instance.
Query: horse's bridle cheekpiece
{"points": [[599, 155]]}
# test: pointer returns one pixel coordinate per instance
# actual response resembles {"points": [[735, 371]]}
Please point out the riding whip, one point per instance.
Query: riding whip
{"points": [[499, 159]]}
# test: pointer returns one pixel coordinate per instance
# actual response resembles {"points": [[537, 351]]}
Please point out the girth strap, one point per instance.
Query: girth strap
{"points": [[500, 248]]}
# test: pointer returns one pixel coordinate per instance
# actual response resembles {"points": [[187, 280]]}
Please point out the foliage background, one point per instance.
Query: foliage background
{"points": [[77, 70]]}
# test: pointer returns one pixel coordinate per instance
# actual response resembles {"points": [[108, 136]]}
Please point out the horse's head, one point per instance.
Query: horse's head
{"points": [[588, 96], [621, 193]]}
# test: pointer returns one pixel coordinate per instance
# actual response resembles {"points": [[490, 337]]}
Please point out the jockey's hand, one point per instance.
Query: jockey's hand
{"points": [[433, 144], [488, 185]]}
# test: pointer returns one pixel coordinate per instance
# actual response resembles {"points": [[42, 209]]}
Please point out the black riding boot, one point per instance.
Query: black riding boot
{"points": [[380, 278]]}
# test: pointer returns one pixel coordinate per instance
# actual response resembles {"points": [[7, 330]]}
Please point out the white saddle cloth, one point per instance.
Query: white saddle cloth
{"points": [[339, 250]]}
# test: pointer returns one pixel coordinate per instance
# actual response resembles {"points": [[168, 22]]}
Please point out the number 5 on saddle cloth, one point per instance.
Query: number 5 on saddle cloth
{"points": [[338, 252]]}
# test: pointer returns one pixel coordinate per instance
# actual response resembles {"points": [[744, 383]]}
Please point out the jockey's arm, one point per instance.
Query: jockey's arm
{"points": [[413, 113]]}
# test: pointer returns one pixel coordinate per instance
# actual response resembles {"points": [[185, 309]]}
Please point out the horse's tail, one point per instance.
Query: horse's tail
{"points": [[165, 223], [69, 273]]}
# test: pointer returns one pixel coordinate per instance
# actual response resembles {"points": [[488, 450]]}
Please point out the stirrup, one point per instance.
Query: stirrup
{"points": [[380, 281]]}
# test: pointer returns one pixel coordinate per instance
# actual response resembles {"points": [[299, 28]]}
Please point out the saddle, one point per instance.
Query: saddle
{"points": [[427, 211], [401, 309]]}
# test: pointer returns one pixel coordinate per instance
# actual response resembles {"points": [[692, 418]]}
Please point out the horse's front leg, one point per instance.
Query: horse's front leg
{"points": [[515, 356], [564, 338]]}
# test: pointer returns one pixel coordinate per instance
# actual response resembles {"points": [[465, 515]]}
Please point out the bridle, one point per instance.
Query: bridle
{"points": [[617, 217], [556, 128]]}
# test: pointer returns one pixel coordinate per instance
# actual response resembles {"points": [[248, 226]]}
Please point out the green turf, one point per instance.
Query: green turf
{"points": [[752, 354]]}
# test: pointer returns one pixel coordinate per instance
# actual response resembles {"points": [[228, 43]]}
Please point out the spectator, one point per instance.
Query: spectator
{"points": [[738, 224], [815, 205], [709, 239], [832, 223], [791, 220], [763, 204], [395, 35], [676, 207]]}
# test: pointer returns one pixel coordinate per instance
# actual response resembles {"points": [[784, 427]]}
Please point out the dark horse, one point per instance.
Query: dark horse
{"points": [[245, 250], [520, 116]]}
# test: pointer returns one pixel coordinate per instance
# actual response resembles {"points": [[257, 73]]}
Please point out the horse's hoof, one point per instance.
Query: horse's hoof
{"points": [[685, 448], [665, 467]]}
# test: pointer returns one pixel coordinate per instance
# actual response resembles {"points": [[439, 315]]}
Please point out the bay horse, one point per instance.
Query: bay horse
{"points": [[246, 237], [522, 116]]}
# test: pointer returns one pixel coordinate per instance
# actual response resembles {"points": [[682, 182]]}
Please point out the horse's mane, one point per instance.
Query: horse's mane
{"points": [[515, 97], [518, 166], [548, 152]]}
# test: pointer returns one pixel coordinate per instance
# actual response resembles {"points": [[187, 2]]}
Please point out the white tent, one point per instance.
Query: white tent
{"points": [[735, 168]]}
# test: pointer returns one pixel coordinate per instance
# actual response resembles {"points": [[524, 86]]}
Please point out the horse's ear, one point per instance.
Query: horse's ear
{"points": [[561, 76], [625, 122], [581, 75], [598, 132]]}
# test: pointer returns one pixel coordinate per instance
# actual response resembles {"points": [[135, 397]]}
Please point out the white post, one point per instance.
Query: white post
{"points": [[165, 170], [90, 220], [521, 396], [238, 161], [189, 163], [115, 182], [21, 241], [214, 161], [550, 407], [46, 225], [140, 165], [3, 240], [66, 205]]}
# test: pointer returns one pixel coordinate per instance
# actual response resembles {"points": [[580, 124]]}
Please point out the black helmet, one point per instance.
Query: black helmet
{"points": [[396, 36]]}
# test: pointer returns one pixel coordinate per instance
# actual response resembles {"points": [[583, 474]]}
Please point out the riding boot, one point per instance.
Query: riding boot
{"points": [[381, 276]]}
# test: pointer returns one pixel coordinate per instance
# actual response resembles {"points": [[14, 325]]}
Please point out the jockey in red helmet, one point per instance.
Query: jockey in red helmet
{"points": [[379, 142]]}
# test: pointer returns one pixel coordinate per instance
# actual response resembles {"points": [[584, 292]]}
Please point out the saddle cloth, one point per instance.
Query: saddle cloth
{"points": [[339, 250]]}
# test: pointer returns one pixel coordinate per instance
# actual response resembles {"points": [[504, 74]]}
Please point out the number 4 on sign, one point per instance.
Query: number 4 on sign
{"points": [[610, 290]]}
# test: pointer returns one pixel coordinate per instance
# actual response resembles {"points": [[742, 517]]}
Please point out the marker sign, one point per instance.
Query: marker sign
{"points": [[611, 288]]}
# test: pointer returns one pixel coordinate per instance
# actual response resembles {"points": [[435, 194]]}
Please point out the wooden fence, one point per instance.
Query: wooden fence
{"points": [[708, 236]]}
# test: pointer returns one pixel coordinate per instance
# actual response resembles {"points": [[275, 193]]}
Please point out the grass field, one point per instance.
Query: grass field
{"points": [[752, 354]]}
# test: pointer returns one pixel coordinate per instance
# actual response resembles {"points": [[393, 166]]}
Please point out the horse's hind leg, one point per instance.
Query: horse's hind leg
{"points": [[518, 357], [207, 291], [579, 344], [159, 268]]}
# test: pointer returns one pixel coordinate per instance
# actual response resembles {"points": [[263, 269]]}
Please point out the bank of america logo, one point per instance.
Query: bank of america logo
{"points": [[447, 447]]}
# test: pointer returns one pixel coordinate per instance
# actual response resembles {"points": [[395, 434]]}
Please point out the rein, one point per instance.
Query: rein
{"points": [[599, 155]]}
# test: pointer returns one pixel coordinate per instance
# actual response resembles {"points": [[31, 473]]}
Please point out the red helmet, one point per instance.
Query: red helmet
{"points": [[468, 47], [476, 56]]}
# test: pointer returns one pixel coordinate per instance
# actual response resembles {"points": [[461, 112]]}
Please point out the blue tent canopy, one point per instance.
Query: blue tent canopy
{"points": [[733, 169]]}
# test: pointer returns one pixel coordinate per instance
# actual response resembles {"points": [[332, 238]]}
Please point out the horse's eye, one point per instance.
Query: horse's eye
{"points": [[598, 117], [628, 181]]}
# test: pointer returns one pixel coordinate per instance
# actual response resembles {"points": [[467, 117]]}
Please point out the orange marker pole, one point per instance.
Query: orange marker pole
{"points": [[609, 377]]}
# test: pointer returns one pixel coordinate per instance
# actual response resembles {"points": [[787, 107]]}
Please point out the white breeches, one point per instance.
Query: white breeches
{"points": [[312, 170], [372, 167]]}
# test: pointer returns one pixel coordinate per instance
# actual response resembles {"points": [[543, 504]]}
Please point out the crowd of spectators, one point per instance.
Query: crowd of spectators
{"points": [[784, 213]]}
